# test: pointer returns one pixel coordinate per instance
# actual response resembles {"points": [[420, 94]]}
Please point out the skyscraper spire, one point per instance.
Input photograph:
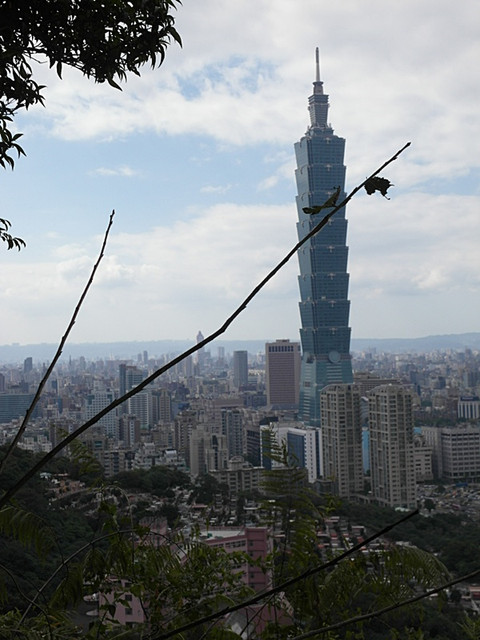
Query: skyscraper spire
{"points": [[318, 101]]}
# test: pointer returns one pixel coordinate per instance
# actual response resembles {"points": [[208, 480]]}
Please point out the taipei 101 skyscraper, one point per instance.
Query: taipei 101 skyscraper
{"points": [[323, 280]]}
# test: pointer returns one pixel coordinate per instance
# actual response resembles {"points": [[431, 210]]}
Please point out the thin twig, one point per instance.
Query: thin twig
{"points": [[56, 450], [58, 353]]}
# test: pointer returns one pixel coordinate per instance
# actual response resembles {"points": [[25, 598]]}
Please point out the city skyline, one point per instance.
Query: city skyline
{"points": [[197, 160]]}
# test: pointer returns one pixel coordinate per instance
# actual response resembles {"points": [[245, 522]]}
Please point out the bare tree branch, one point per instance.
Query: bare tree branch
{"points": [[243, 305], [58, 353]]}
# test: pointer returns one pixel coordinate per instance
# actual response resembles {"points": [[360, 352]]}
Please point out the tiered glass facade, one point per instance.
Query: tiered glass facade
{"points": [[323, 280]]}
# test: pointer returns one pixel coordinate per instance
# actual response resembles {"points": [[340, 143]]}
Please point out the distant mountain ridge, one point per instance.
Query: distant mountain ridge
{"points": [[15, 353], [455, 341]]}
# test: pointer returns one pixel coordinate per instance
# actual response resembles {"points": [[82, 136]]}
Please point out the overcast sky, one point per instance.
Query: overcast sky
{"points": [[197, 160]]}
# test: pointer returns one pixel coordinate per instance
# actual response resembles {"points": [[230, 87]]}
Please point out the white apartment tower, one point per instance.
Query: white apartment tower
{"points": [[341, 432], [391, 446], [94, 403]]}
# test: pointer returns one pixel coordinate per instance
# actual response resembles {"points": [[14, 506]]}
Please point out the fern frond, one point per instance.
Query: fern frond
{"points": [[27, 528], [70, 589], [380, 578], [406, 568]]}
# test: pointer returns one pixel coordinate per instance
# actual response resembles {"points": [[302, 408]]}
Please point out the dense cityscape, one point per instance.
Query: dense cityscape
{"points": [[211, 410]]}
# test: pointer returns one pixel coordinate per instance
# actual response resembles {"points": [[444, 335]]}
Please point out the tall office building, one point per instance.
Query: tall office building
{"points": [[282, 372], [15, 405], [27, 365], [200, 355], [342, 439], [323, 280], [240, 369], [129, 377], [304, 450], [303, 446], [392, 465], [455, 451]]}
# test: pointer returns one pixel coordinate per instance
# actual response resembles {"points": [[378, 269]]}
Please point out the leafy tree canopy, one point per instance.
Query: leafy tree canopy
{"points": [[158, 480], [206, 488], [104, 39], [454, 538]]}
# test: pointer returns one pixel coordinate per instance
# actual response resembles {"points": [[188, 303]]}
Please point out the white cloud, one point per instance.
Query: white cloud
{"points": [[123, 171], [220, 189], [418, 81], [162, 283], [409, 258], [414, 244], [268, 183]]}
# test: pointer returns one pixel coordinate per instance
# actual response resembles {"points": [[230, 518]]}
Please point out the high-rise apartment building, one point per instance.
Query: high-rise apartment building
{"points": [[323, 280], [161, 406], [94, 403], [392, 465], [208, 451], [129, 431], [423, 456], [185, 423], [140, 405], [232, 429], [240, 369], [282, 374], [216, 453], [342, 439], [197, 444]]}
